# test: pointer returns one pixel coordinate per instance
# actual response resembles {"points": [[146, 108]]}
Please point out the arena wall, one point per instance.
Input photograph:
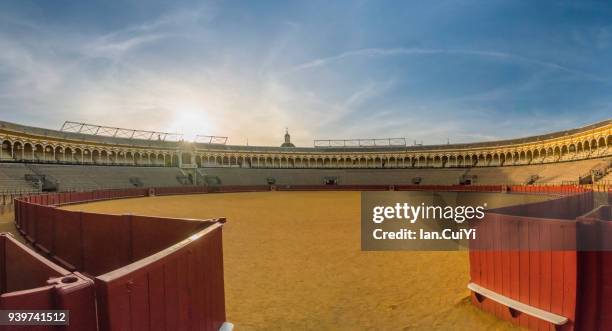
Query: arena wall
{"points": [[539, 266]]}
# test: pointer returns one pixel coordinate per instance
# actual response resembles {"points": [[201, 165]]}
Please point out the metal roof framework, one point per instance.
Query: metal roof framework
{"points": [[376, 142], [211, 140], [107, 131]]}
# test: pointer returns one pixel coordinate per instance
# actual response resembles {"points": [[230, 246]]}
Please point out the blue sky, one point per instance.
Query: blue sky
{"points": [[428, 71]]}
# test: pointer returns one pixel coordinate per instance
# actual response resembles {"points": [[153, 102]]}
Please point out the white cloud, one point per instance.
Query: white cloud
{"points": [[377, 52]]}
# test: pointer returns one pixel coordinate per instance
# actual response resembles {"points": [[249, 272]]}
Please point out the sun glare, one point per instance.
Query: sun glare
{"points": [[190, 121]]}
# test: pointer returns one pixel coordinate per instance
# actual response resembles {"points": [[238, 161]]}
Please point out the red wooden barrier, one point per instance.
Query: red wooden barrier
{"points": [[560, 189], [176, 289], [527, 260], [541, 262], [595, 270], [450, 188], [30, 221], [332, 187], [31, 282], [67, 239], [247, 188], [106, 242], [109, 245], [44, 228], [157, 233]]}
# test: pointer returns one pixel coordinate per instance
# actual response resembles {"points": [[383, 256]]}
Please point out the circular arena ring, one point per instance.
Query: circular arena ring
{"points": [[128, 272]]}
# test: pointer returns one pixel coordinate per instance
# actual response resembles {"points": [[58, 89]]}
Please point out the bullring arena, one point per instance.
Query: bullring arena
{"points": [[147, 234]]}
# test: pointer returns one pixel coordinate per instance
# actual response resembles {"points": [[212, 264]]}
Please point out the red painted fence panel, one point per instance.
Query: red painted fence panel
{"points": [[106, 242], [542, 263], [44, 228], [68, 242], [109, 245], [175, 289], [157, 233], [31, 282]]}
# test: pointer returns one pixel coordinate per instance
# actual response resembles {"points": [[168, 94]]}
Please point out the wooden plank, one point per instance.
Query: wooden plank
{"points": [[157, 304], [524, 308]]}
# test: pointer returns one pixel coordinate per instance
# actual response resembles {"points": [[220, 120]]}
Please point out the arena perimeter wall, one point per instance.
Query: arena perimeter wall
{"points": [[552, 256], [142, 285]]}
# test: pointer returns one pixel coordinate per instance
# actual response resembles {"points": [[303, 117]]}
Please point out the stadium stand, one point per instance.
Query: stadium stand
{"points": [[607, 179], [12, 178], [19, 177], [562, 172], [239, 176], [603, 174]]}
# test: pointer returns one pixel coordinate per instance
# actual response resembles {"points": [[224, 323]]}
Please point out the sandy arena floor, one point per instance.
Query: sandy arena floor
{"points": [[7, 222], [293, 262]]}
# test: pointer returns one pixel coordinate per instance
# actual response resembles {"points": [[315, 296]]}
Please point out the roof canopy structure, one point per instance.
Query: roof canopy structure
{"points": [[99, 130], [213, 140]]}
